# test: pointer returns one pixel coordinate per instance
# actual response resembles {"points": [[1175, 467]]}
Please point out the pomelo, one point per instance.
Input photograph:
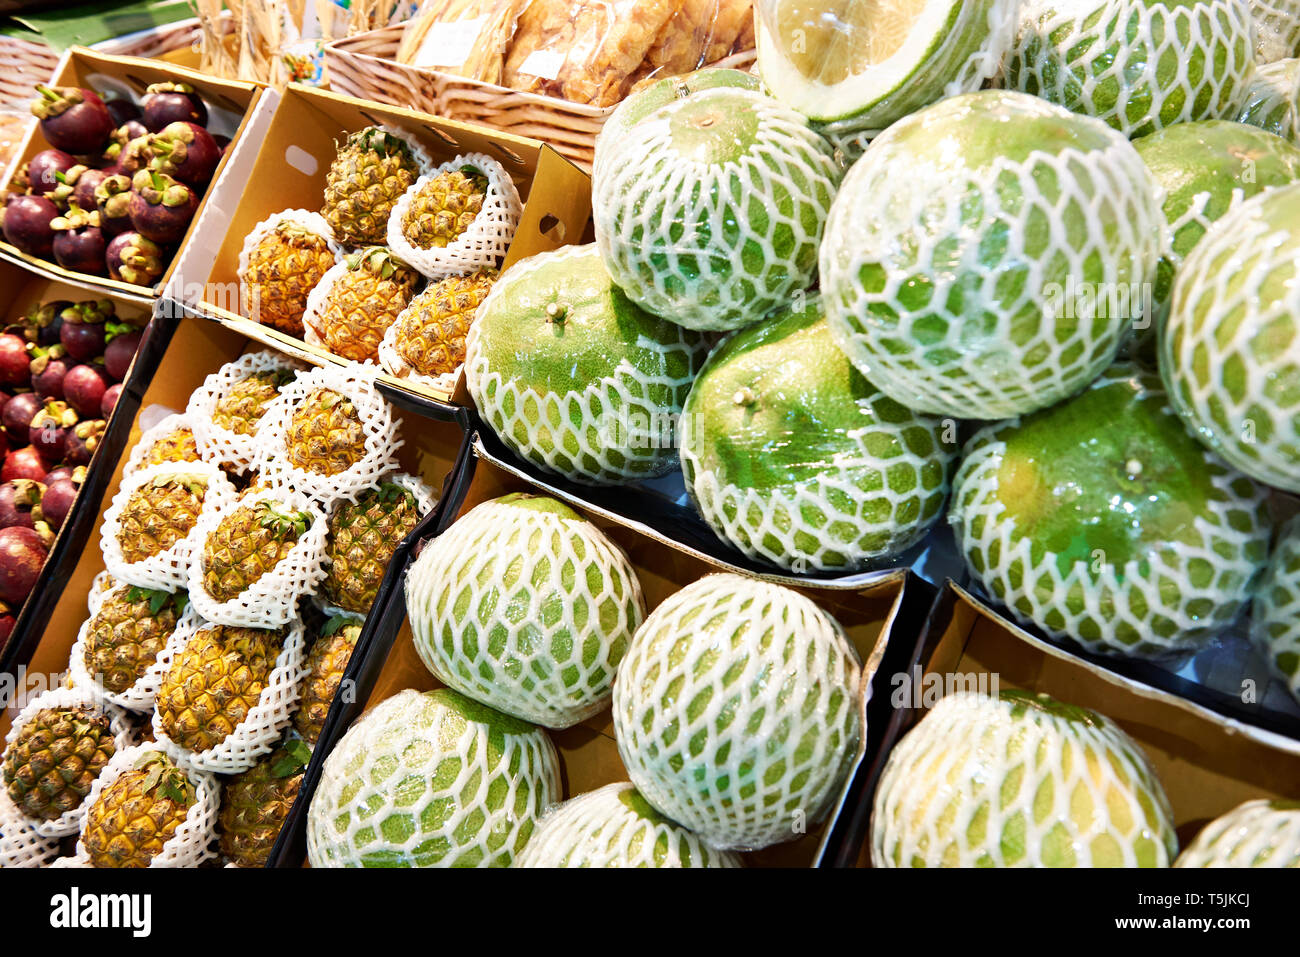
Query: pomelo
{"points": [[1020, 780], [1257, 833], [1230, 351], [1272, 100], [736, 711], [1139, 65], [615, 826], [576, 377], [709, 211], [431, 780], [1275, 614], [984, 257], [526, 607], [1277, 29], [793, 457], [1102, 521]]}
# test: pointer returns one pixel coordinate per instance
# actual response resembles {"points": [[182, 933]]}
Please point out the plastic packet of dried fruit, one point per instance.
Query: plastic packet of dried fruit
{"points": [[465, 37]]}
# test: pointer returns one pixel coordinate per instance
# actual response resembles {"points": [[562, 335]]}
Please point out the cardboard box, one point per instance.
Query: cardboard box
{"points": [[1207, 763], [229, 104], [876, 618], [284, 166]]}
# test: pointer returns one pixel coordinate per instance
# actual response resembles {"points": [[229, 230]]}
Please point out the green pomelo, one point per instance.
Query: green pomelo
{"points": [[737, 711], [1230, 350], [793, 457], [1255, 834], [1138, 65], [1275, 614], [431, 780], [1272, 101], [574, 376], [523, 605], [985, 257], [1102, 521], [709, 211], [616, 827], [1019, 781]]}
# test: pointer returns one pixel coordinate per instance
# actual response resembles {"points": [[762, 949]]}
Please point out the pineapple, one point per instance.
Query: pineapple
{"points": [[159, 514], [362, 538], [242, 407], [248, 543], [325, 434], [138, 813], [213, 682], [283, 268], [326, 663], [445, 206], [50, 766], [430, 336], [177, 446], [363, 302], [365, 181], [254, 804], [125, 636]]}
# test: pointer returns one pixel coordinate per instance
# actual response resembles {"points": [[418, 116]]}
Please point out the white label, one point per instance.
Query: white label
{"points": [[543, 63], [449, 44]]}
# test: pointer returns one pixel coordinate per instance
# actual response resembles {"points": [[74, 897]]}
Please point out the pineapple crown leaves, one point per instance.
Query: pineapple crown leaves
{"points": [[375, 140], [282, 522], [165, 777], [337, 623], [297, 754], [475, 176], [376, 260], [157, 598], [195, 484]]}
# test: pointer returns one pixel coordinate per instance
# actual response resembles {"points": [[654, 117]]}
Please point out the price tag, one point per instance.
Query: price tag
{"points": [[543, 63]]}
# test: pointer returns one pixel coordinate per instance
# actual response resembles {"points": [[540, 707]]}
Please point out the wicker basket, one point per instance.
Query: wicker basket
{"points": [[364, 66]]}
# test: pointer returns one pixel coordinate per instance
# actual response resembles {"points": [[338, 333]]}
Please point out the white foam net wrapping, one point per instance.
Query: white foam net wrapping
{"points": [[167, 570], [679, 236], [311, 222], [312, 332], [61, 698], [939, 324], [1228, 352], [222, 446], [613, 827], [1135, 65], [397, 366], [1277, 29], [961, 790], [140, 696], [355, 382], [518, 655], [192, 844], [431, 780], [483, 244], [709, 739], [426, 499], [272, 599], [100, 586], [1258, 833], [1275, 614], [20, 844], [1272, 101], [261, 730], [140, 451], [1170, 598]]}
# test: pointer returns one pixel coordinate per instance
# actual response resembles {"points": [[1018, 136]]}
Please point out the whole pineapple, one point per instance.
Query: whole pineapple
{"points": [[325, 434], [254, 804], [213, 682], [138, 813], [125, 636], [445, 206], [57, 755], [365, 300], [283, 268], [362, 538], [371, 172], [159, 514], [242, 407], [175, 446], [326, 663], [430, 336], [248, 543]]}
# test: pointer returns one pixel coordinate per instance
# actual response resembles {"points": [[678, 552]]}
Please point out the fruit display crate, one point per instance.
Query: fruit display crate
{"points": [[285, 167], [1207, 764], [23, 289], [880, 619], [229, 105]]}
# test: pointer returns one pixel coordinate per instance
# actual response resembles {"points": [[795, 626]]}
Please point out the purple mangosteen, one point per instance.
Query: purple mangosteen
{"points": [[44, 169], [165, 103], [84, 387], [17, 417], [74, 120], [81, 441], [27, 224], [19, 499], [79, 243], [186, 152], [83, 333], [161, 207], [121, 349], [113, 200], [13, 355], [134, 259]]}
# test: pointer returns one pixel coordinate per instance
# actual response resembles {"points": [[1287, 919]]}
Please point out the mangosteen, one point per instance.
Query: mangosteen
{"points": [[81, 441], [40, 325], [186, 152], [161, 207], [123, 110], [18, 414], [23, 463], [50, 427], [113, 200], [27, 224], [59, 495], [72, 119], [123, 341], [79, 243], [44, 169], [84, 387], [83, 333], [165, 103], [49, 367], [18, 500], [22, 555], [83, 193], [134, 259], [106, 404], [13, 353]]}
